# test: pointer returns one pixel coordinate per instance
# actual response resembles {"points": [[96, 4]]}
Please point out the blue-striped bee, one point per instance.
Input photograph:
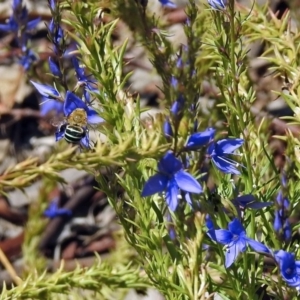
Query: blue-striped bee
{"points": [[74, 126]]}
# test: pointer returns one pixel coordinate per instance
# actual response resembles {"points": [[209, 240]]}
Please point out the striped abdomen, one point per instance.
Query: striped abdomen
{"points": [[74, 134]]}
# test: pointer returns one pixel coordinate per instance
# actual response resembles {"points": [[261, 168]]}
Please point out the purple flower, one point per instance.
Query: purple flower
{"points": [[217, 4], [200, 139], [54, 211], [72, 102], [168, 3], [171, 178], [218, 152], [236, 241], [289, 267]]}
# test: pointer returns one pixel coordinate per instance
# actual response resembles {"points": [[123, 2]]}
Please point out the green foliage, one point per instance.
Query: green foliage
{"points": [[129, 147], [94, 278]]}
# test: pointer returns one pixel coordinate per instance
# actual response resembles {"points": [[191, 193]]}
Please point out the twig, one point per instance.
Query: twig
{"points": [[9, 268]]}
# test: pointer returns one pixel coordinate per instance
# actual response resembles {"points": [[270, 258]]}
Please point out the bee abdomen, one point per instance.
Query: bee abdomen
{"points": [[73, 134]]}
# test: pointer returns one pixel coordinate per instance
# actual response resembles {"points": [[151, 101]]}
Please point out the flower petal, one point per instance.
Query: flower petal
{"points": [[287, 230], [188, 199], [217, 4], [51, 105], [32, 24], [177, 107], [187, 182], [73, 102], [211, 149], [224, 166], [8, 27], [244, 200], [259, 205], [46, 90], [85, 141], [257, 246], [167, 128], [211, 228], [169, 164], [236, 227], [231, 255], [155, 184], [93, 117], [277, 221], [168, 3], [79, 71], [54, 67], [200, 139], [227, 146], [171, 195], [223, 236]]}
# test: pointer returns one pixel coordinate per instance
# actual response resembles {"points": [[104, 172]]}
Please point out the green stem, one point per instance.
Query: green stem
{"points": [[236, 98]]}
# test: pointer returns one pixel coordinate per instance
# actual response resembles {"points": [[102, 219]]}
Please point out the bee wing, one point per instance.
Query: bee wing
{"points": [[57, 122]]}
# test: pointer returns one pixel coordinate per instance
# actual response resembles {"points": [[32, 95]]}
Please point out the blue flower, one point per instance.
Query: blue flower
{"points": [[72, 102], [83, 79], [236, 241], [177, 108], [248, 201], [217, 4], [171, 178], [54, 67], [174, 82], [56, 34], [27, 59], [200, 139], [53, 4], [167, 128], [218, 152], [13, 25], [168, 3], [211, 228], [281, 222], [54, 211], [19, 20], [289, 267], [46, 91], [51, 105]]}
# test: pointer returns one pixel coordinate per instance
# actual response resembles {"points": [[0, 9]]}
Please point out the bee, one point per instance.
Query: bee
{"points": [[74, 126]]}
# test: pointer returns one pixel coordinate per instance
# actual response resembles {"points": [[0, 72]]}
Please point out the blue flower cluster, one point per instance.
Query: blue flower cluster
{"points": [[171, 176], [20, 25], [235, 240]]}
